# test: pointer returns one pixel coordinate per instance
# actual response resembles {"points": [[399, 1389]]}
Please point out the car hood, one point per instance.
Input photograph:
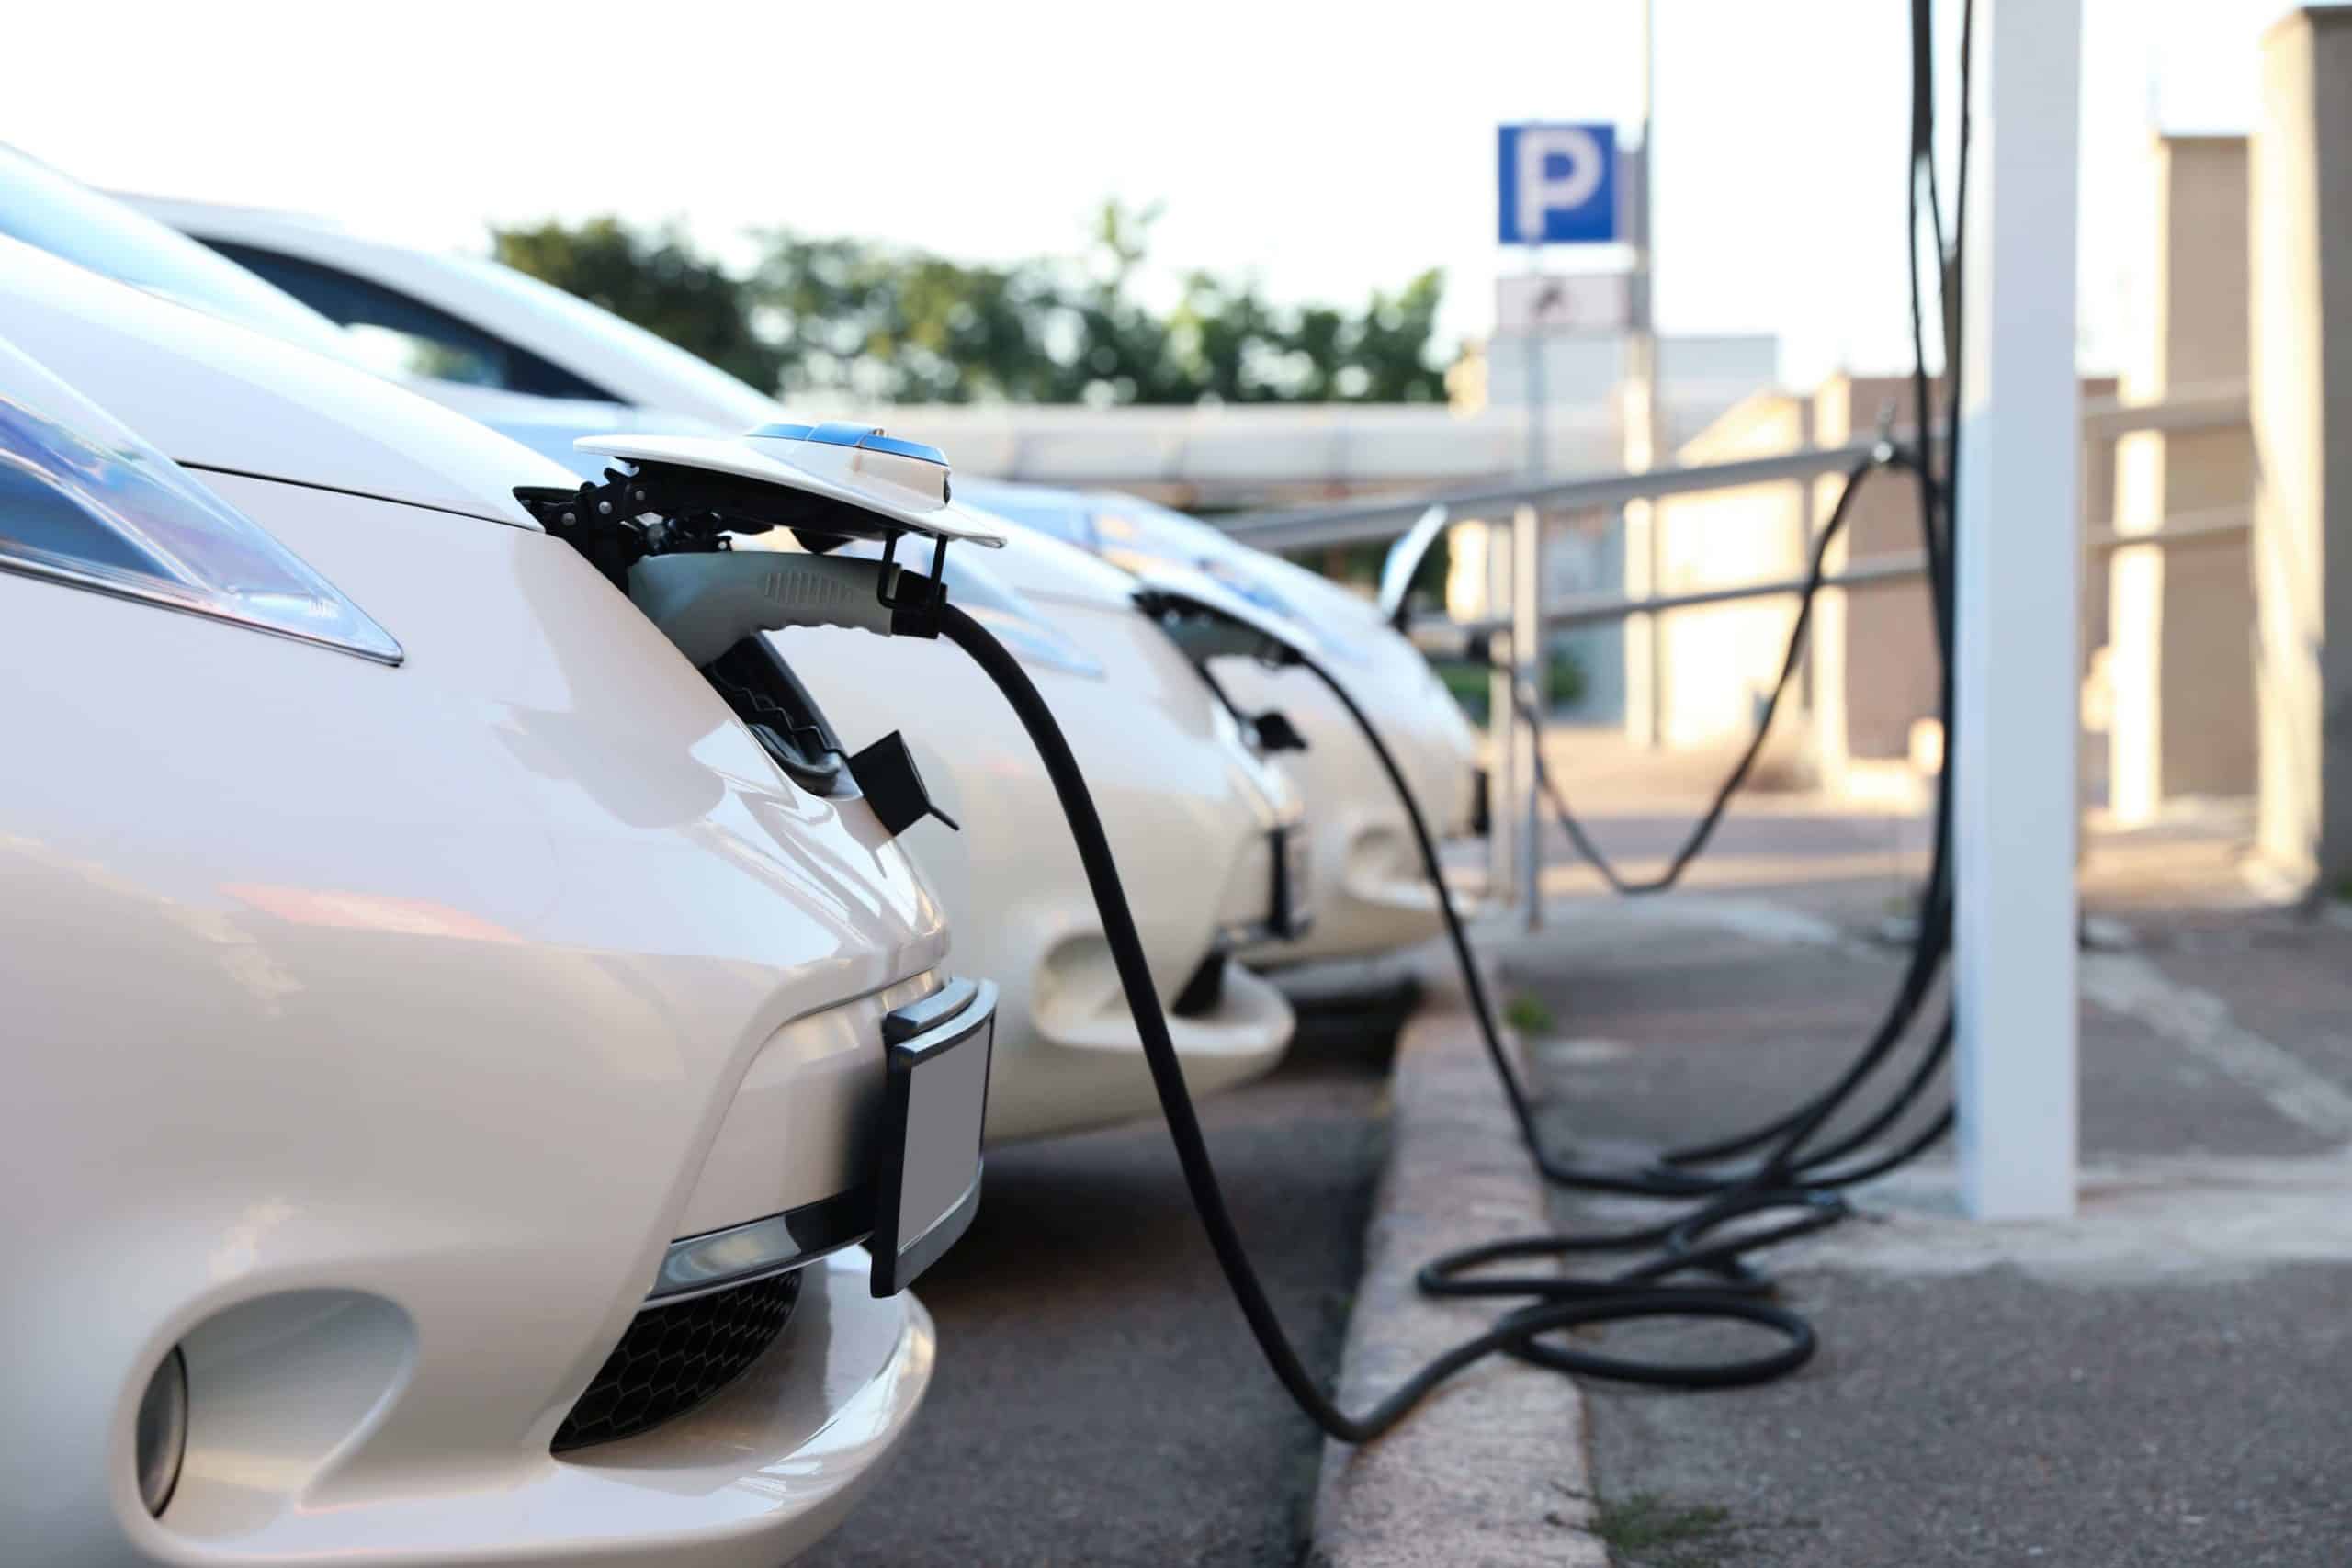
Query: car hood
{"points": [[1379, 664], [212, 395], [1046, 568]]}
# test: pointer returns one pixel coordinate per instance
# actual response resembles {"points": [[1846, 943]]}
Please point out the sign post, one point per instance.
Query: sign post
{"points": [[1638, 419], [1555, 185]]}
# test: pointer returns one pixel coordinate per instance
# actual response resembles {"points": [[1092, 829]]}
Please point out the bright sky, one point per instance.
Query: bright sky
{"points": [[1329, 150]]}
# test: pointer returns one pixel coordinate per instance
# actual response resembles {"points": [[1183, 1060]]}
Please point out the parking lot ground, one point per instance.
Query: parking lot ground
{"points": [[2158, 1381], [1098, 1399]]}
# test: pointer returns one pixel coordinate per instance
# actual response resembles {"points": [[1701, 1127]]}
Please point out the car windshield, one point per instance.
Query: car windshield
{"points": [[45, 209], [702, 387]]}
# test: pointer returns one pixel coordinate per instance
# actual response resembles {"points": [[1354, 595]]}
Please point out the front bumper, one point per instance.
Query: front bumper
{"points": [[757, 1474], [756, 1387], [738, 1179], [1370, 894], [1373, 895], [1084, 1064], [1270, 896], [372, 1051]]}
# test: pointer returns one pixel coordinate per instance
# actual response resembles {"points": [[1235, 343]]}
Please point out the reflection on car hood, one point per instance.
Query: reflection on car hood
{"points": [[1329, 613]]}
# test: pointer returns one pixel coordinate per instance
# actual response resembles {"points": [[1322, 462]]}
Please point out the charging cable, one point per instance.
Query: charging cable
{"points": [[1801, 1189], [1795, 1184], [1794, 1181], [1559, 1304], [704, 601]]}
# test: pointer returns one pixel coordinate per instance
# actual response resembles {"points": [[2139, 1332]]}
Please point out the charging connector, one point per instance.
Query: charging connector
{"points": [[707, 604]]}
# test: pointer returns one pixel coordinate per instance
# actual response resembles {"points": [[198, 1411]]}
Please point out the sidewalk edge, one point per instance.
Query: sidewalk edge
{"points": [[1493, 1468]]}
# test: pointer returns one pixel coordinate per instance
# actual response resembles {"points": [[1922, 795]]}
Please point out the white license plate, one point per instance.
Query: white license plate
{"points": [[927, 1183], [1297, 858]]}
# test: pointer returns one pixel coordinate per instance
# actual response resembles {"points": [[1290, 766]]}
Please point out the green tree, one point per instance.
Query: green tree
{"points": [[905, 326], [896, 325], [658, 280], [1392, 344], [1122, 353]]}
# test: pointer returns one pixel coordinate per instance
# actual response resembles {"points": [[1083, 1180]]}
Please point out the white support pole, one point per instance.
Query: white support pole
{"points": [[1527, 670], [2018, 553], [1502, 725], [1644, 636]]}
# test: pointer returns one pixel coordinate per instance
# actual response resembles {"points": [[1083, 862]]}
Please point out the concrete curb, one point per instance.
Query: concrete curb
{"points": [[1493, 1469]]}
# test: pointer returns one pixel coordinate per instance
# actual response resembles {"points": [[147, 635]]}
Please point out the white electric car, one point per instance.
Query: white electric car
{"points": [[1372, 889], [541, 365], [450, 1063], [1209, 833]]}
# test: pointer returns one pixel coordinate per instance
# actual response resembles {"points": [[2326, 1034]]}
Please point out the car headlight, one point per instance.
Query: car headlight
{"points": [[84, 502]]}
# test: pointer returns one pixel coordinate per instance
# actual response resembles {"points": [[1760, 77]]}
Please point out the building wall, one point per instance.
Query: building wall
{"points": [[1717, 662], [1875, 663], [2301, 393], [2181, 662], [1871, 671]]}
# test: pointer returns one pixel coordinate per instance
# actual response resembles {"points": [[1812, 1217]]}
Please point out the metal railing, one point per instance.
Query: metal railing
{"points": [[2182, 529], [1359, 523], [1370, 522], [1524, 503]]}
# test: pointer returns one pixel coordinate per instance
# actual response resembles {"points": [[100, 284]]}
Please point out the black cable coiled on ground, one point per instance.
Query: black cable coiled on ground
{"points": [[1561, 1304]]}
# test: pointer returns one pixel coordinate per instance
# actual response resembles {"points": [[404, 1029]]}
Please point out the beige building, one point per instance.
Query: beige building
{"points": [[2301, 353], [2169, 665], [2180, 647], [1869, 679]]}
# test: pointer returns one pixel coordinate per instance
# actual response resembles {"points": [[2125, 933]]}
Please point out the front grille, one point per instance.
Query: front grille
{"points": [[674, 1357]]}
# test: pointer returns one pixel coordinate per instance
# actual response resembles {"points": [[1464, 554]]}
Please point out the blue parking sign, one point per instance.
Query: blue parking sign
{"points": [[1558, 183]]}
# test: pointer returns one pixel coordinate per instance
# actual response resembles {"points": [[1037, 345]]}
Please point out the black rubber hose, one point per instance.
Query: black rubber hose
{"points": [[1679, 1247], [1562, 1304], [1781, 1172], [1937, 525], [1929, 948], [1817, 571], [1788, 1133], [1789, 1179], [1629, 1183]]}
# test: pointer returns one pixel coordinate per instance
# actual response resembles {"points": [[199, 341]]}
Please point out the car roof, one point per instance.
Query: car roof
{"points": [[209, 393], [636, 365]]}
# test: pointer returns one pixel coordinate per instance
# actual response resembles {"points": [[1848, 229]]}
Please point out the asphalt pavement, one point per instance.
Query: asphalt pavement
{"points": [[2157, 1381], [1098, 1400]]}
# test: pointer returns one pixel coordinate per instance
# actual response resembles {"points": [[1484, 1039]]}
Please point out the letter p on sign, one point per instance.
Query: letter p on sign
{"points": [[1558, 183]]}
